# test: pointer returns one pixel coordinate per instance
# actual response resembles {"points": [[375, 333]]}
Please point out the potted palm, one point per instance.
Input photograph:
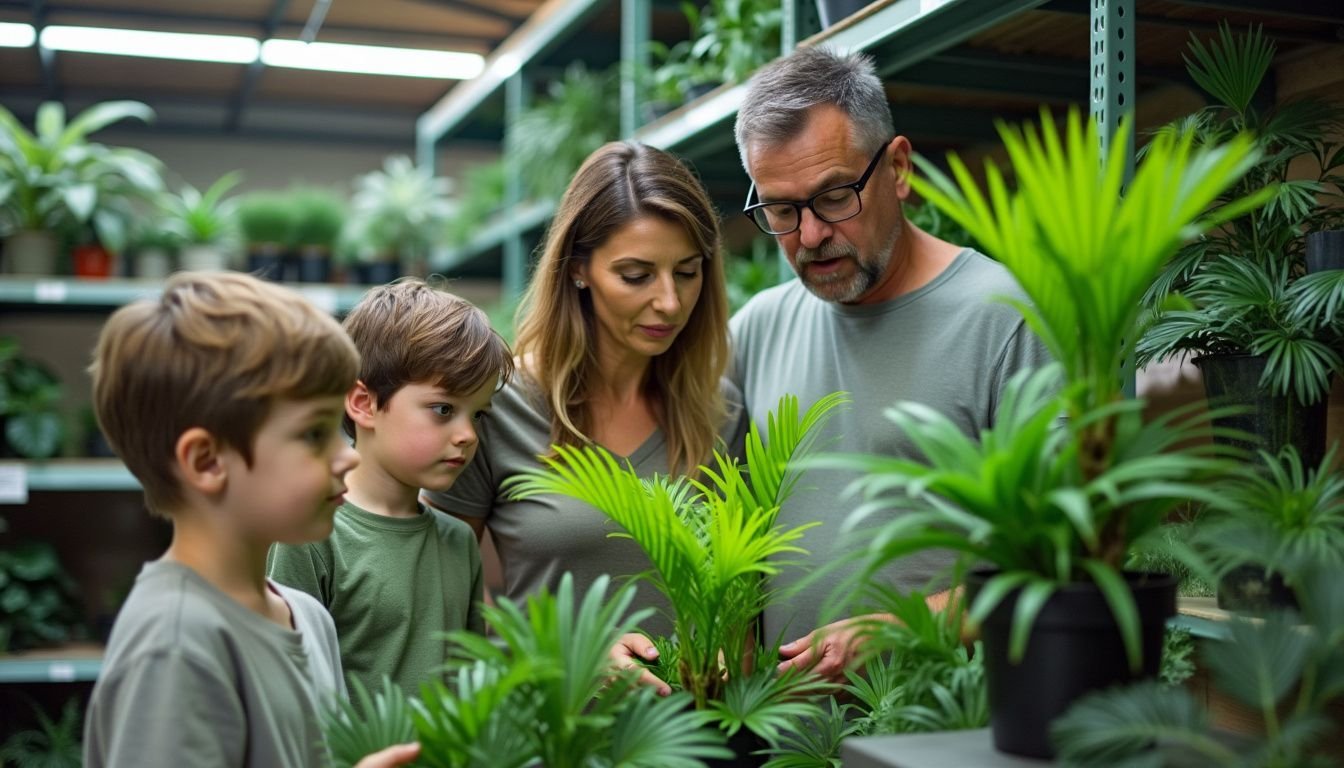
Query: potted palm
{"points": [[1269, 520], [1236, 298], [1053, 509], [540, 696], [1283, 668], [205, 222], [711, 544], [54, 178]]}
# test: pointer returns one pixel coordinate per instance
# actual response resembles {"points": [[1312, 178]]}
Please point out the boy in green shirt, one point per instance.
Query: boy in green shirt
{"points": [[393, 573], [223, 397]]}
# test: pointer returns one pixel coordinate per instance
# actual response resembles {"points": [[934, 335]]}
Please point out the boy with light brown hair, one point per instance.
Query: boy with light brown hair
{"points": [[224, 398], [394, 573]]}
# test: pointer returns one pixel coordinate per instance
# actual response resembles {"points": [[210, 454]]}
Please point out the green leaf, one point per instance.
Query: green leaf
{"points": [[34, 435]]}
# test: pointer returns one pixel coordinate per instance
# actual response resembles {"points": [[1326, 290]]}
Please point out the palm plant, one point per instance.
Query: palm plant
{"points": [[711, 543], [53, 744], [54, 177], [1050, 505], [1274, 518], [542, 695], [1287, 673], [1239, 287]]}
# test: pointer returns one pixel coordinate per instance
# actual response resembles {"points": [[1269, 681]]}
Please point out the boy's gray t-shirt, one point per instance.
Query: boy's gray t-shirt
{"points": [[541, 538], [947, 345], [191, 677]]}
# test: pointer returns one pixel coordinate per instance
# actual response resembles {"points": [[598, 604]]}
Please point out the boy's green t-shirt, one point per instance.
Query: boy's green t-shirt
{"points": [[392, 586]]}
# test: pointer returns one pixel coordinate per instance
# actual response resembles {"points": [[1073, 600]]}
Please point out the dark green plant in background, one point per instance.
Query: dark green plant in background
{"points": [[733, 37], [749, 274], [1277, 515], [30, 397], [550, 140], [1239, 288], [1288, 668], [53, 744], [542, 695], [266, 217], [318, 217], [37, 599], [479, 195]]}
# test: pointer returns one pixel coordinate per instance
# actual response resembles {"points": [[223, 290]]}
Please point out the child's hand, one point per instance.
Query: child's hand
{"points": [[627, 653], [399, 754]]}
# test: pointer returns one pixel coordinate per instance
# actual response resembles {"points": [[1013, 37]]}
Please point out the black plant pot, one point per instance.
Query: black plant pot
{"points": [[831, 11], [1074, 648], [1253, 589], [314, 265], [266, 260], [379, 272], [1275, 420], [1325, 250], [742, 744]]}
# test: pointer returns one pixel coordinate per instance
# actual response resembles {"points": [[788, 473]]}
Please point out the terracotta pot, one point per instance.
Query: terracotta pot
{"points": [[91, 261]]}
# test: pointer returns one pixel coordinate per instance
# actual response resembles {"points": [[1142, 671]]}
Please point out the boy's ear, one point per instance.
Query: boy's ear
{"points": [[200, 464], [360, 405]]}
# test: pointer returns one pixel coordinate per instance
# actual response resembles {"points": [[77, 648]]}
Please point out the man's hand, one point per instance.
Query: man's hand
{"points": [[627, 652], [398, 754], [829, 650]]}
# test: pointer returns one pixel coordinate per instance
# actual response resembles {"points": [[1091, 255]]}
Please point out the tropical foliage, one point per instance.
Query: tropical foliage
{"points": [[397, 212], [54, 178], [1238, 288], [1277, 515], [1047, 503], [1283, 671], [30, 398], [543, 695], [204, 218], [550, 140], [711, 543]]}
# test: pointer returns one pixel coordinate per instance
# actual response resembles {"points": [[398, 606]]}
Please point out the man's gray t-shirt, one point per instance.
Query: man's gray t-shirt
{"points": [[191, 677], [947, 345], [541, 538]]}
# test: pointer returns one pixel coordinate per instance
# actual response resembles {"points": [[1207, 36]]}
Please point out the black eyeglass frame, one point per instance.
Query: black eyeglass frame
{"points": [[798, 207]]}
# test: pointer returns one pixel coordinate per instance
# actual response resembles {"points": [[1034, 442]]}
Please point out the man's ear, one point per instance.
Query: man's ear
{"points": [[360, 405], [899, 153], [200, 461]]}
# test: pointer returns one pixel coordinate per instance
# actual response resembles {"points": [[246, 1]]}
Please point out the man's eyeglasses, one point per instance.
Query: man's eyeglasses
{"points": [[780, 217]]}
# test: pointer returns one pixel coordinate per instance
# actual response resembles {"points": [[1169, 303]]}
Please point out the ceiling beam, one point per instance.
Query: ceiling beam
{"points": [[1320, 11], [483, 11], [131, 15], [252, 76], [46, 58], [1328, 35]]}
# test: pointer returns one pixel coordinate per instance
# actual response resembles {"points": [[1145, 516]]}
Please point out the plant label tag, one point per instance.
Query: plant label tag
{"points": [[61, 672], [50, 292], [13, 484], [322, 298]]}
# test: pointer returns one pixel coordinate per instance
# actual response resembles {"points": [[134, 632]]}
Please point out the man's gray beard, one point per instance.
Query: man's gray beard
{"points": [[845, 290]]}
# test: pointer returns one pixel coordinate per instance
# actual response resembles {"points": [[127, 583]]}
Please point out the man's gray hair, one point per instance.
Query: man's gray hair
{"points": [[780, 94]]}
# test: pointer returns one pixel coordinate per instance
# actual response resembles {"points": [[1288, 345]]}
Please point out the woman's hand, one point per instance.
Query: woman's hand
{"points": [[627, 653]]}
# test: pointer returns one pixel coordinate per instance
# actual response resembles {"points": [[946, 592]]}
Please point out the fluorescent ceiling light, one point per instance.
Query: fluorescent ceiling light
{"points": [[371, 59], [228, 49], [17, 35]]}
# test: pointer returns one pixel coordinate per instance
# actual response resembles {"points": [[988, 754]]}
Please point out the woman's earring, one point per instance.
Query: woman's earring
{"points": [[580, 284]]}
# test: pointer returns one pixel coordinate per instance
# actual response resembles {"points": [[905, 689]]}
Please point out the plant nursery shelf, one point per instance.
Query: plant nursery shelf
{"points": [[70, 664], [19, 477], [108, 294], [521, 219]]}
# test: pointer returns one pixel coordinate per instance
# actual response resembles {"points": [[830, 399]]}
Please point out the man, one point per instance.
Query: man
{"points": [[880, 309]]}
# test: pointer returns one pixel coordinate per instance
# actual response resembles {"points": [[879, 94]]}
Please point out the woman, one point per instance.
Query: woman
{"points": [[622, 343]]}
